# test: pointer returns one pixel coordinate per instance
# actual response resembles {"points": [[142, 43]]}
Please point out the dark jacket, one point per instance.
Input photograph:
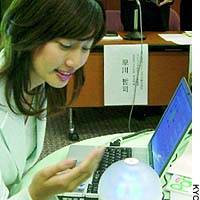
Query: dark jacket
{"points": [[186, 15], [154, 18]]}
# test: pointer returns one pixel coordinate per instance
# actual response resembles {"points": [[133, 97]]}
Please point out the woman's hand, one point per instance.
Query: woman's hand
{"points": [[64, 176]]}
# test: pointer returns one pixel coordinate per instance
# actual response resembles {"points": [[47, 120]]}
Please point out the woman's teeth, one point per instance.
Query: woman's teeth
{"points": [[63, 75]]}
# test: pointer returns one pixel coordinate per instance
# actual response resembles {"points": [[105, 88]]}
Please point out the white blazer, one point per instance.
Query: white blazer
{"points": [[13, 157]]}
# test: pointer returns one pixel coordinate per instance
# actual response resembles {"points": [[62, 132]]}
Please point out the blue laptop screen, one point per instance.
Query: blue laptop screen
{"points": [[171, 128]]}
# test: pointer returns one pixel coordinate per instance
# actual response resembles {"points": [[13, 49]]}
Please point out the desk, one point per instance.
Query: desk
{"points": [[168, 62], [139, 141]]}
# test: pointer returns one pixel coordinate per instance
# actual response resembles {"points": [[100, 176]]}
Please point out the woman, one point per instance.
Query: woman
{"points": [[44, 44]]}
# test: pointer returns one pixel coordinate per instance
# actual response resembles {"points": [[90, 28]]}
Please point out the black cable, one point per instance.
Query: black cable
{"points": [[163, 196], [188, 135], [139, 66], [117, 142], [137, 133], [176, 156], [165, 178], [166, 181]]}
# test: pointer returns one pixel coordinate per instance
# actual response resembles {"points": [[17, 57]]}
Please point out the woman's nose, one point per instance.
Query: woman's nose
{"points": [[70, 63], [74, 59]]}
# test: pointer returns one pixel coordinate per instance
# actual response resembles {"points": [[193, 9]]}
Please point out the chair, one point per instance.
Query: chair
{"points": [[113, 21], [174, 20]]}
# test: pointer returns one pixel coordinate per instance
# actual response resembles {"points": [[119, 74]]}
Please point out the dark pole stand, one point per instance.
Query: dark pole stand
{"points": [[73, 135], [135, 35]]}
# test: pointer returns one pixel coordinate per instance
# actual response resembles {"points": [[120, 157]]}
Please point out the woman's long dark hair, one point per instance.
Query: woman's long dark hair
{"points": [[28, 24]]}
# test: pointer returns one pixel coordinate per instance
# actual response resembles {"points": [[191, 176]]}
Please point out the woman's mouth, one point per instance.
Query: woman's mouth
{"points": [[64, 75]]}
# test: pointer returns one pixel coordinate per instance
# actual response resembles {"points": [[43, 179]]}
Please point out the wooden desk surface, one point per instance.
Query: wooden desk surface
{"points": [[152, 38], [168, 63]]}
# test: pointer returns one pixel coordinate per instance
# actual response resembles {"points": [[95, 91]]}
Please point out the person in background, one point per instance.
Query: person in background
{"points": [[44, 43], [155, 16], [186, 15]]}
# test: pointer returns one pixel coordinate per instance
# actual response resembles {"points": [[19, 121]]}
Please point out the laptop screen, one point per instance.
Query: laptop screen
{"points": [[171, 128]]}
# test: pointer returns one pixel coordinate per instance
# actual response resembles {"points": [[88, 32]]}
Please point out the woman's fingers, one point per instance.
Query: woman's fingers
{"points": [[64, 176], [50, 171], [45, 184], [76, 182], [82, 172], [92, 159], [70, 179]]}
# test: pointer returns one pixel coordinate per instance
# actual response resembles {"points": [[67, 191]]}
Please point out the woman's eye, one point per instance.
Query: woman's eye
{"points": [[65, 47], [71, 46], [86, 48]]}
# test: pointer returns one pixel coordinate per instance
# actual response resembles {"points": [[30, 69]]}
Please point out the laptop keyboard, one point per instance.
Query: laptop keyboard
{"points": [[111, 155]]}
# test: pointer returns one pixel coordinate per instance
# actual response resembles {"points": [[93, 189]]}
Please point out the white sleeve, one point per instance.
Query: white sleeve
{"points": [[4, 193]]}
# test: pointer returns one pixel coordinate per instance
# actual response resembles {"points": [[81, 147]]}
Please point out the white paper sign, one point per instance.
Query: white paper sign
{"points": [[121, 64], [181, 39]]}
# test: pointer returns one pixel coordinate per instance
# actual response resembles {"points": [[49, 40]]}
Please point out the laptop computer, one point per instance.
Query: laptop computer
{"points": [[173, 128]]}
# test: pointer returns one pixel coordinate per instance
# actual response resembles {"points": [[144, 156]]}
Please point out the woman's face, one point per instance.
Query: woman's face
{"points": [[56, 61]]}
